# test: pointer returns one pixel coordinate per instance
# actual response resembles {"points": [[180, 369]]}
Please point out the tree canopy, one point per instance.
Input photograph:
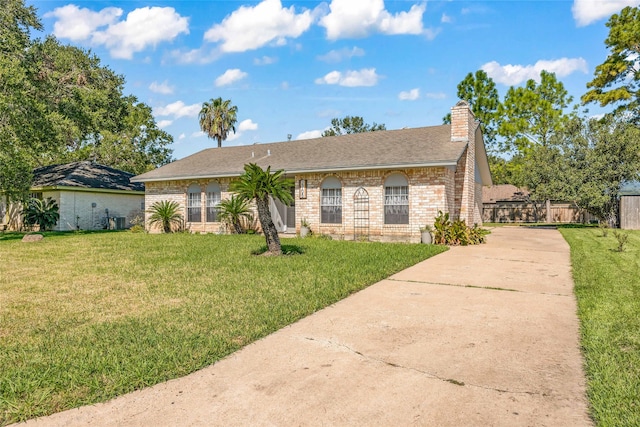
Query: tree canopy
{"points": [[587, 162], [59, 103], [479, 90], [351, 124], [617, 79], [217, 118]]}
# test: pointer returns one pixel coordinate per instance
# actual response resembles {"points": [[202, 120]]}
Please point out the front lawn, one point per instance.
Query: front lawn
{"points": [[86, 317], [607, 285]]}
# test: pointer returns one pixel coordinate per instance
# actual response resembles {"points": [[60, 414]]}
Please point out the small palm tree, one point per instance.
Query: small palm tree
{"points": [[258, 184], [232, 211], [217, 118], [166, 213], [41, 212]]}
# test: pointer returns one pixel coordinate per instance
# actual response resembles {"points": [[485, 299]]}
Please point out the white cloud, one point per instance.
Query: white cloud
{"points": [[163, 88], [411, 95], [348, 18], [586, 12], [265, 60], [182, 136], [198, 134], [515, 74], [142, 28], [249, 27], [195, 56], [435, 95], [164, 123], [78, 24], [446, 19], [247, 124], [364, 77], [178, 109], [341, 54], [230, 76], [310, 134]]}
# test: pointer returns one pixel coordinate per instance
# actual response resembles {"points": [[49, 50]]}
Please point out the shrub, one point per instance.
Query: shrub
{"points": [[43, 213], [622, 239], [456, 232], [166, 213]]}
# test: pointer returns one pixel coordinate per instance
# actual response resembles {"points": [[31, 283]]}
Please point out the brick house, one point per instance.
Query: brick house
{"points": [[381, 185], [90, 196]]}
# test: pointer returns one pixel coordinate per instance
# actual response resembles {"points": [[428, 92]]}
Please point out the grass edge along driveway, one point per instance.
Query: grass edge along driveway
{"points": [[88, 316], [607, 287]]}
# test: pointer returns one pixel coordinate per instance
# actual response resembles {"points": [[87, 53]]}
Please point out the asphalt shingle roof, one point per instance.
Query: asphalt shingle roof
{"points": [[84, 175], [425, 146]]}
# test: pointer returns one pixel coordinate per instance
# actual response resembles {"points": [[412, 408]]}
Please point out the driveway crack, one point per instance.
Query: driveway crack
{"points": [[422, 372]]}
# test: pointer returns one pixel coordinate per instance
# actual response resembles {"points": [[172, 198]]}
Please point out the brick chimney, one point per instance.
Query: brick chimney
{"points": [[463, 122], [468, 197]]}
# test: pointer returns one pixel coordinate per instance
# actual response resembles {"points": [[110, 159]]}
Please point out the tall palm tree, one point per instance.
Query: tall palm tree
{"points": [[165, 213], [232, 211], [217, 118], [258, 184]]}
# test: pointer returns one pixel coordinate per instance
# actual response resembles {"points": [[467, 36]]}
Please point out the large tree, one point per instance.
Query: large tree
{"points": [[258, 185], [217, 118], [351, 124], [59, 103], [479, 90], [532, 113], [617, 79], [587, 162]]}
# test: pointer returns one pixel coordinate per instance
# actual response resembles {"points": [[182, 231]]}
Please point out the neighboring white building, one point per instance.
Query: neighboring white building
{"points": [[90, 196]]}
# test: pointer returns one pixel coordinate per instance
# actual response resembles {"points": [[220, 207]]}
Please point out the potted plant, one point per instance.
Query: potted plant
{"points": [[305, 228], [425, 234]]}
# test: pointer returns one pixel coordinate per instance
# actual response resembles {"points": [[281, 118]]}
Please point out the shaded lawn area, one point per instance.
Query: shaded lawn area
{"points": [[607, 285], [86, 317]]}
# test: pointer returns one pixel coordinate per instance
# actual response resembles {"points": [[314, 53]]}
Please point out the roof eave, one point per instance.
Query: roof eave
{"points": [[443, 163]]}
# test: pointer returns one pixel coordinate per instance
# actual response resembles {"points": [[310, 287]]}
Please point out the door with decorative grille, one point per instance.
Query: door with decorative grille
{"points": [[361, 214]]}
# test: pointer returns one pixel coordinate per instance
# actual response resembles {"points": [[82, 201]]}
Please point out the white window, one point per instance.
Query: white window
{"points": [[396, 200], [213, 198], [331, 201], [194, 205]]}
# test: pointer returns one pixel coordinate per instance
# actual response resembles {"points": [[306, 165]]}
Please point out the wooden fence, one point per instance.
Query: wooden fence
{"points": [[534, 212], [630, 212]]}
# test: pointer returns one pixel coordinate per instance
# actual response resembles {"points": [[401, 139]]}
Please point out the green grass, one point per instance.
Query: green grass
{"points": [[607, 285], [88, 316]]}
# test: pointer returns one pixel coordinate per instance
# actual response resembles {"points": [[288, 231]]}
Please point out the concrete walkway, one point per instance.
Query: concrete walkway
{"points": [[477, 336]]}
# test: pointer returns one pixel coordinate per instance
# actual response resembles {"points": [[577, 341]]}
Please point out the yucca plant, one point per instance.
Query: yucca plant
{"points": [[41, 212], [232, 211], [167, 214]]}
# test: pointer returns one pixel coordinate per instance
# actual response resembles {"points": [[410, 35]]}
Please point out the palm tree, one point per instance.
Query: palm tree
{"points": [[166, 213], [232, 211], [217, 118], [258, 184]]}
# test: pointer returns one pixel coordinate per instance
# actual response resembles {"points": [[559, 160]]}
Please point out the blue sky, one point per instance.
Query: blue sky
{"points": [[290, 67]]}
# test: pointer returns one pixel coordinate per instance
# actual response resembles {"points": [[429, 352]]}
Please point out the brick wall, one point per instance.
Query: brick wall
{"points": [[430, 190]]}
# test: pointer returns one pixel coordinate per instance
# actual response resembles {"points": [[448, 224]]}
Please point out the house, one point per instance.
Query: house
{"points": [[381, 185], [90, 196]]}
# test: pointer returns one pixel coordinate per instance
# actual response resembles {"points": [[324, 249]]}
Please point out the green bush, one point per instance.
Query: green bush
{"points": [[456, 232], [41, 212]]}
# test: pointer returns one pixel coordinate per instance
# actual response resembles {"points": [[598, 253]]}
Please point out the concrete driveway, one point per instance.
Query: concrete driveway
{"points": [[477, 336]]}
